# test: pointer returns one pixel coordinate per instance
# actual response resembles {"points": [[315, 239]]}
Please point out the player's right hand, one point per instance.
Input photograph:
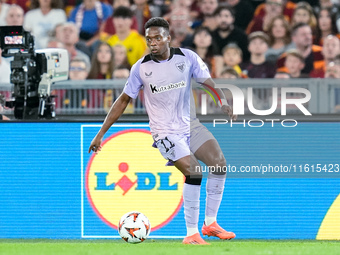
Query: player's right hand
{"points": [[96, 145], [227, 109]]}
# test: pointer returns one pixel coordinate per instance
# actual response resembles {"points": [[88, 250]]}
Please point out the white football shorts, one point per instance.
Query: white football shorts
{"points": [[176, 146]]}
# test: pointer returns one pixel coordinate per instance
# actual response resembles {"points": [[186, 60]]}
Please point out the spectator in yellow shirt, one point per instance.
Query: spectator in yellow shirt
{"points": [[134, 43]]}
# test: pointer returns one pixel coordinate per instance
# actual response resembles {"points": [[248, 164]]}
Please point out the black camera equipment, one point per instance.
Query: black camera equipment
{"points": [[32, 73]]}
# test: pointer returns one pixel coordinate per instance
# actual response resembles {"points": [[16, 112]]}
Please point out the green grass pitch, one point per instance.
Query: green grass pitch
{"points": [[167, 247]]}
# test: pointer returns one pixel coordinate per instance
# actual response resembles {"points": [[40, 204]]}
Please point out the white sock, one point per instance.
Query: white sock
{"points": [[191, 197], [209, 220], [215, 187], [192, 231]]}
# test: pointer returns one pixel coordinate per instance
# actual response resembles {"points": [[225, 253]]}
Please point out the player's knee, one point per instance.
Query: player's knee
{"points": [[220, 167], [222, 161], [193, 179]]}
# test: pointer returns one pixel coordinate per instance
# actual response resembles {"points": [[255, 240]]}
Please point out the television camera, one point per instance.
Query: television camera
{"points": [[32, 73]]}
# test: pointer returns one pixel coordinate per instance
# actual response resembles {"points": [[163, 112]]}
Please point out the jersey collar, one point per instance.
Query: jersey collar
{"points": [[173, 51]]}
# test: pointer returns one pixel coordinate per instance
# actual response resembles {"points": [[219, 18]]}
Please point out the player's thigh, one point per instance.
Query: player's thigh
{"points": [[199, 135], [175, 148], [210, 153], [205, 147], [188, 165]]}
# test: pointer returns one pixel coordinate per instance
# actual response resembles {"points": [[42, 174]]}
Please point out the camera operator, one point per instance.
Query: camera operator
{"points": [[15, 16]]}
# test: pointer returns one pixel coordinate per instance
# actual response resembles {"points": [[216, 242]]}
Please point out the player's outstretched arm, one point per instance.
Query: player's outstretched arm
{"points": [[226, 108], [115, 112]]}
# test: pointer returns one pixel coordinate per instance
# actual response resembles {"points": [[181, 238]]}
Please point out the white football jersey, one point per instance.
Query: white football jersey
{"points": [[168, 94]]}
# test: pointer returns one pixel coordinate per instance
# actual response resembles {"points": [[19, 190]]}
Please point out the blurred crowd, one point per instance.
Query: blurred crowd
{"points": [[235, 38]]}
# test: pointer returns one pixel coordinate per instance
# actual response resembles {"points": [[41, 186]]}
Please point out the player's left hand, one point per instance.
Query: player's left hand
{"points": [[227, 109]]}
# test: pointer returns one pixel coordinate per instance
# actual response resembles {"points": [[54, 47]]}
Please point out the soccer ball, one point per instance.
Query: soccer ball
{"points": [[134, 227]]}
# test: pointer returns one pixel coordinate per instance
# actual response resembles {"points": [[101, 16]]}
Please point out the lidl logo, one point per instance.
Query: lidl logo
{"points": [[130, 175]]}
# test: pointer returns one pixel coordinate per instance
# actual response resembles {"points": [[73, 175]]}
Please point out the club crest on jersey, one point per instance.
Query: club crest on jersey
{"points": [[180, 66], [148, 74]]}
